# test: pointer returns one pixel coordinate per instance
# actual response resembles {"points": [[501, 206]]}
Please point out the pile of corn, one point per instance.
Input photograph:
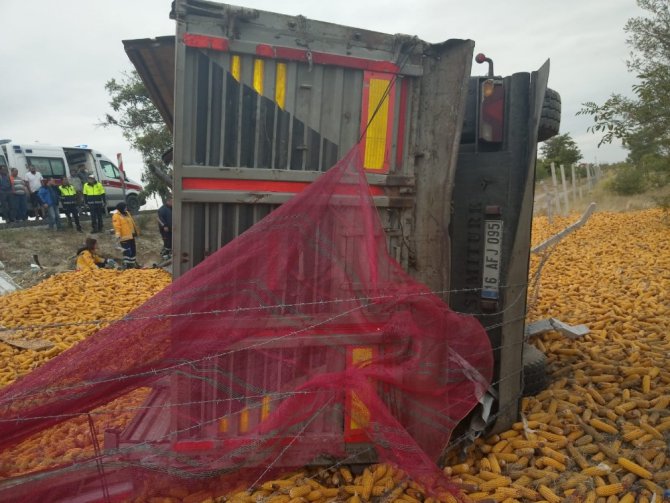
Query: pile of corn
{"points": [[599, 433], [63, 310], [380, 482], [66, 308]]}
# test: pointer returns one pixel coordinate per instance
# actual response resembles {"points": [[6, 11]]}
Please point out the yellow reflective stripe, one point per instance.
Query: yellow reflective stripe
{"points": [[258, 75], [265, 407], [280, 85], [235, 68], [67, 191], [375, 136], [360, 415], [361, 355], [244, 420], [223, 425]]}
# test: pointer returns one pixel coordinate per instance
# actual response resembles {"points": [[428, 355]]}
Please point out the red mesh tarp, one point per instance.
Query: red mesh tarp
{"points": [[299, 342]]}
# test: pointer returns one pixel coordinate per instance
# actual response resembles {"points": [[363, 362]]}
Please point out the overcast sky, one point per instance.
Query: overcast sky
{"points": [[57, 55]]}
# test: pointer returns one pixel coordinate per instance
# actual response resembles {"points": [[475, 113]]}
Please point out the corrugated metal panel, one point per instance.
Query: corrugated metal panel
{"points": [[263, 96], [318, 119]]}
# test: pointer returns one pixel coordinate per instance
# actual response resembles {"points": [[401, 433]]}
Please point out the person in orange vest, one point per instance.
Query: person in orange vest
{"points": [[126, 231], [88, 258]]}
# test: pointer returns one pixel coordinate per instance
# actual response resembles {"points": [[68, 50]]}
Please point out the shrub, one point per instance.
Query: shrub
{"points": [[627, 181]]}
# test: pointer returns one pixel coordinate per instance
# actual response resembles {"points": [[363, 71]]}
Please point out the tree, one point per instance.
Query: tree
{"points": [[560, 149], [141, 125], [641, 122]]}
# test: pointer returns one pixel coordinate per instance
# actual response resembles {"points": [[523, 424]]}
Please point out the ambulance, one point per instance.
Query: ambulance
{"points": [[58, 162]]}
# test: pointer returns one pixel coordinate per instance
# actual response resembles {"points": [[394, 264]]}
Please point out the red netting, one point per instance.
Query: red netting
{"points": [[299, 342]]}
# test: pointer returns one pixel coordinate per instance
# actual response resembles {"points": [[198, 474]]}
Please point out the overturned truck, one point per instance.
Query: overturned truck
{"points": [[347, 205], [261, 104]]}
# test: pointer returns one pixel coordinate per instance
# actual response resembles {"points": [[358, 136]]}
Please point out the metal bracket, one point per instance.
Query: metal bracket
{"points": [[552, 324]]}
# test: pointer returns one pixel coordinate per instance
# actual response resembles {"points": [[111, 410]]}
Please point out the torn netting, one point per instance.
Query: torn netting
{"points": [[301, 341]]}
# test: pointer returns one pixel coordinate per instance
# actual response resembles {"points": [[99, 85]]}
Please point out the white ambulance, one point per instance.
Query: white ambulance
{"points": [[76, 163]]}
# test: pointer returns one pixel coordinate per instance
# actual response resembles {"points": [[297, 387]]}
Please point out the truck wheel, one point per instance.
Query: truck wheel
{"points": [[550, 120], [133, 203], [535, 377]]}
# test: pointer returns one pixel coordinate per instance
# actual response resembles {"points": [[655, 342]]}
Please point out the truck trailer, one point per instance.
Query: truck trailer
{"points": [[261, 104]]}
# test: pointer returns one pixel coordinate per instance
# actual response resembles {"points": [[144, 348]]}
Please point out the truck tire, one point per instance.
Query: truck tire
{"points": [[535, 377], [550, 119], [133, 203]]}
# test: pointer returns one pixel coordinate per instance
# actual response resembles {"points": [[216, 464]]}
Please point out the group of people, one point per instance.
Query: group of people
{"points": [[44, 197], [125, 229]]}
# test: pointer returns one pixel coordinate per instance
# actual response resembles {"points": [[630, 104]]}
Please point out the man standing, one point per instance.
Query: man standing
{"points": [[49, 199], [165, 227], [94, 197], [20, 196], [6, 196], [68, 196], [34, 183]]}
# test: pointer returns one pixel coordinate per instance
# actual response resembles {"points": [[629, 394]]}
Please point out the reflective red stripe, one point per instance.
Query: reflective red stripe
{"points": [[113, 183], [206, 42], [290, 54], [258, 186]]}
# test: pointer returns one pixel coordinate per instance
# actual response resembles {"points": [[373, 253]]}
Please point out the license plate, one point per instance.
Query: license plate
{"points": [[492, 251]]}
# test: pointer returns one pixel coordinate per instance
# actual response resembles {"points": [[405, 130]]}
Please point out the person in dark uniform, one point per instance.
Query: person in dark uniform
{"points": [[165, 227]]}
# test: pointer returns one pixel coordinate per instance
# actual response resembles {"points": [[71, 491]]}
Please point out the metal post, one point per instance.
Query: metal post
{"points": [[574, 183], [565, 191], [119, 161], [554, 183]]}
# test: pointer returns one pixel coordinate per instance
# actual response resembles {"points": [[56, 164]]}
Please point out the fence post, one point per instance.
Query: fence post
{"points": [[574, 183], [565, 191], [550, 206], [554, 184], [581, 188]]}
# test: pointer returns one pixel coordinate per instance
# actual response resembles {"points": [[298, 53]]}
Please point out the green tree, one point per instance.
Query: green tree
{"points": [[641, 122], [560, 149], [141, 125]]}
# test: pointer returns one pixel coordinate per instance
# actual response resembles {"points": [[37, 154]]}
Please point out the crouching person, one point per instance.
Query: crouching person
{"points": [[88, 258], [126, 231]]}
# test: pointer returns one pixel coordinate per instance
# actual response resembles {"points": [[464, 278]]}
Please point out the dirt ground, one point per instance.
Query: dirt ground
{"points": [[56, 250]]}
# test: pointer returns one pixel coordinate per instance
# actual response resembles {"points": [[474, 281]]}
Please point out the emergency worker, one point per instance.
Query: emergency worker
{"points": [[165, 227], [126, 231], [88, 258], [68, 197], [95, 199]]}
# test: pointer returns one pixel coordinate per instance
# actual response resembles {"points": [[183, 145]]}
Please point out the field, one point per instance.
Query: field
{"points": [[598, 433]]}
